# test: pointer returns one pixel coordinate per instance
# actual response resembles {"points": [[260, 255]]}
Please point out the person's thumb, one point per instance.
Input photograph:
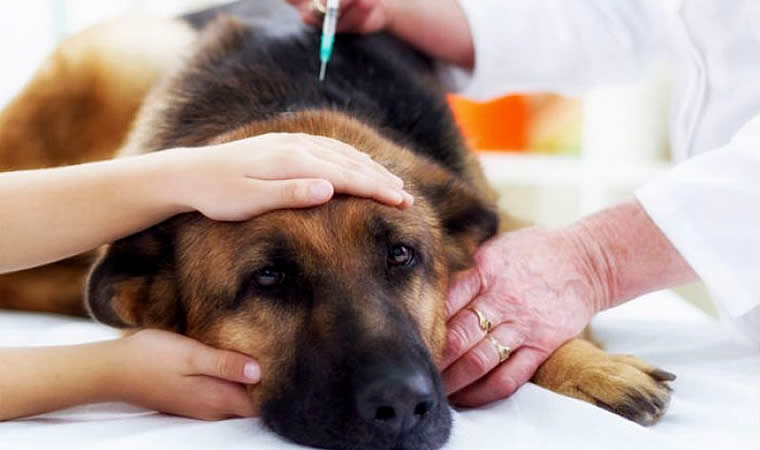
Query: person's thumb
{"points": [[298, 193], [464, 288], [227, 365]]}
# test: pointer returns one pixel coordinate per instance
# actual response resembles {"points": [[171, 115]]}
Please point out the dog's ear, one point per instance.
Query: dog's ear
{"points": [[132, 284], [467, 219]]}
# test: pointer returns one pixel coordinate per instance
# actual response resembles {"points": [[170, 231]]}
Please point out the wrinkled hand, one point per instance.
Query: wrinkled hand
{"points": [[538, 290], [241, 179], [174, 374], [356, 16]]}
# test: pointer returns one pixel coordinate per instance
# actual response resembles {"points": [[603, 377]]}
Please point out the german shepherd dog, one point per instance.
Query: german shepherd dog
{"points": [[343, 304]]}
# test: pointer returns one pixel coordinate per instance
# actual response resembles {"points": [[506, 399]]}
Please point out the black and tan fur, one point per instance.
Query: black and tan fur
{"points": [[342, 315]]}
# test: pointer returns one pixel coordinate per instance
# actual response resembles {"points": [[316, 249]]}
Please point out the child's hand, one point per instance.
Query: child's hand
{"points": [[356, 16], [238, 180], [178, 375]]}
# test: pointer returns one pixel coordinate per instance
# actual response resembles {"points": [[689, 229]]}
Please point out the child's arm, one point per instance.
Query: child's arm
{"points": [[153, 369], [50, 214]]}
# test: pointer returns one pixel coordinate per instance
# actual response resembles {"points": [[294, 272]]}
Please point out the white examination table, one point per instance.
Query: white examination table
{"points": [[715, 405]]}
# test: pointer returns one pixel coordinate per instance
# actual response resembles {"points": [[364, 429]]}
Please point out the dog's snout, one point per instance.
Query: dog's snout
{"points": [[396, 401], [378, 400]]}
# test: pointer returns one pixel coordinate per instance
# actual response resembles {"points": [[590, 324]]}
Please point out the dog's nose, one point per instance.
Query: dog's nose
{"points": [[397, 402]]}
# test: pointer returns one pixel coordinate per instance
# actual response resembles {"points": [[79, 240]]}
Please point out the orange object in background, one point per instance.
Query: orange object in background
{"points": [[501, 124]]}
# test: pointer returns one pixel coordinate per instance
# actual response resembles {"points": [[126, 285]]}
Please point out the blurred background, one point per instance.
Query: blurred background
{"points": [[553, 159]]}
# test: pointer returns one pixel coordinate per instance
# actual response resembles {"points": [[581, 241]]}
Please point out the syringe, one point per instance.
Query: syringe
{"points": [[328, 35]]}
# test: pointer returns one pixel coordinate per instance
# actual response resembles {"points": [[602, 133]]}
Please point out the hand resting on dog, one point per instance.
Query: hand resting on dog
{"points": [[154, 369], [52, 214]]}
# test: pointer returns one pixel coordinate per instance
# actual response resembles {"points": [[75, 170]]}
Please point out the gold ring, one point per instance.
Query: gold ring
{"points": [[484, 323], [318, 6], [504, 351]]}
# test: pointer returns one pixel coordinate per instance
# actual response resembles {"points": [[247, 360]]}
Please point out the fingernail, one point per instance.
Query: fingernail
{"points": [[408, 199], [398, 197], [252, 371], [320, 191]]}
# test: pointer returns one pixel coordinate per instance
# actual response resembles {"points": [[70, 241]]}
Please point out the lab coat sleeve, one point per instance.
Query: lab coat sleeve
{"points": [[709, 208], [562, 46]]}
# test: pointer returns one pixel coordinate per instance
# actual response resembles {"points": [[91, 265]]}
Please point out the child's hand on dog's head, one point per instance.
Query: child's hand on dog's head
{"points": [[174, 374], [241, 179], [232, 181]]}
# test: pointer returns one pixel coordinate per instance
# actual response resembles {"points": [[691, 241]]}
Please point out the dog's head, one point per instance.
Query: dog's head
{"points": [[342, 305]]}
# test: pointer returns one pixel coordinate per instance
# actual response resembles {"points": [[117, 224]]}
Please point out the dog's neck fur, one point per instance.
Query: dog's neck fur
{"points": [[326, 123], [341, 127]]}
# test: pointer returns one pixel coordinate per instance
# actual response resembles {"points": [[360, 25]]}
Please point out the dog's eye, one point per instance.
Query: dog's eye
{"points": [[401, 255], [269, 277]]}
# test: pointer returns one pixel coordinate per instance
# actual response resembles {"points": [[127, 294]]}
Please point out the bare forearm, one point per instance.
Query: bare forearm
{"points": [[39, 380], [436, 27], [628, 255], [51, 214]]}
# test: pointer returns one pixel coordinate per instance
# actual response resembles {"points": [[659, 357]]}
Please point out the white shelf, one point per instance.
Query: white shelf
{"points": [[545, 170]]}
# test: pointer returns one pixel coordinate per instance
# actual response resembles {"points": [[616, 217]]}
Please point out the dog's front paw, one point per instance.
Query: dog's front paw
{"points": [[624, 385], [627, 386]]}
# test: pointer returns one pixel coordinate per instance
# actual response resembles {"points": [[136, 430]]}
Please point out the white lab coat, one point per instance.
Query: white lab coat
{"points": [[708, 206]]}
